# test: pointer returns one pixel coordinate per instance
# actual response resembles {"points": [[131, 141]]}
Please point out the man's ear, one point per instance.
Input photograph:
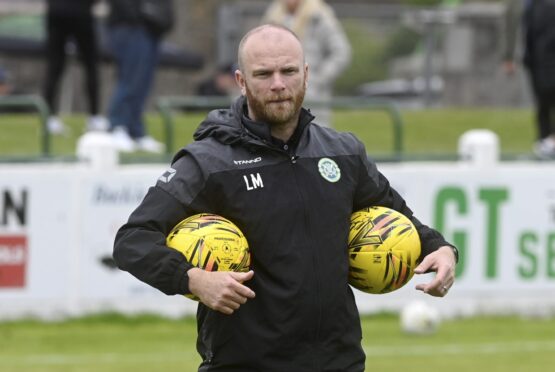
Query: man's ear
{"points": [[305, 75], [240, 80]]}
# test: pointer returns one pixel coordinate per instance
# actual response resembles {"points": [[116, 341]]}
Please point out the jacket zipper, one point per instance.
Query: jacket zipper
{"points": [[318, 291], [293, 159]]}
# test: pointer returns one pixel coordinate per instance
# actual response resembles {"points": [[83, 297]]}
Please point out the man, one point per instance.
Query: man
{"points": [[135, 42], [294, 311], [71, 20], [536, 17]]}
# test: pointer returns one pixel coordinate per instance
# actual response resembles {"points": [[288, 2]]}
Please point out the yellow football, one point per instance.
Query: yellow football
{"points": [[384, 248], [211, 242]]}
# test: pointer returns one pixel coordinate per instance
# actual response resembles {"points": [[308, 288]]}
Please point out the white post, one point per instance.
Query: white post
{"points": [[479, 147], [98, 150]]}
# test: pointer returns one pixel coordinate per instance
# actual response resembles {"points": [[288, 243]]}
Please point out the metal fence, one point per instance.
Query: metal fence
{"points": [[168, 105]]}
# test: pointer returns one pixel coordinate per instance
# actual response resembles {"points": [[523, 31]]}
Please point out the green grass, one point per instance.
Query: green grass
{"points": [[105, 343], [429, 133], [436, 132], [147, 343]]}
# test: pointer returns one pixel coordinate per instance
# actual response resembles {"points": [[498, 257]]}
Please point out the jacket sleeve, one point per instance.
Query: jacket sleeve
{"points": [[140, 245], [374, 190]]}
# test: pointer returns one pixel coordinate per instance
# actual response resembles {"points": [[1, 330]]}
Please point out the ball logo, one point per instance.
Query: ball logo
{"points": [[329, 170]]}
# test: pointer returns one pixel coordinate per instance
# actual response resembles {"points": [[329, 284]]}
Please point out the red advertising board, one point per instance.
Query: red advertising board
{"points": [[13, 261]]}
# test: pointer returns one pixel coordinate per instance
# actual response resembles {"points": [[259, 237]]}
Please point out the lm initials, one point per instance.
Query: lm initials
{"points": [[255, 181]]}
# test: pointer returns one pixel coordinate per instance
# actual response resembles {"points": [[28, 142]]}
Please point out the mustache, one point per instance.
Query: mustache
{"points": [[279, 98]]}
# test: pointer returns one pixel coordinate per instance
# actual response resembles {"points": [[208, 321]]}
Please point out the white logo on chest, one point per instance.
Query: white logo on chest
{"points": [[250, 161], [254, 181], [329, 170]]}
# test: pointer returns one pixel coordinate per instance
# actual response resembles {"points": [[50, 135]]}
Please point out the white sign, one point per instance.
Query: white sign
{"points": [[58, 224]]}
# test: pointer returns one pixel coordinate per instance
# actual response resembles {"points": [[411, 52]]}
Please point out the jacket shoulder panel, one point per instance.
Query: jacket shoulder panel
{"points": [[328, 142]]}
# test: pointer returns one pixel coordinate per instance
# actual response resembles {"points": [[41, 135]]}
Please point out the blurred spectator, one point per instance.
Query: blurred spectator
{"points": [[135, 30], [327, 50], [71, 20], [5, 84], [537, 18], [7, 88], [222, 84]]}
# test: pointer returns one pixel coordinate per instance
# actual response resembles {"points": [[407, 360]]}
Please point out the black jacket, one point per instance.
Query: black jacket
{"points": [[73, 8], [156, 16], [539, 56], [304, 316]]}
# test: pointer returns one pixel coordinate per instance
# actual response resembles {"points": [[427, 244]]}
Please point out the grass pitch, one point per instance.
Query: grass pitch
{"points": [[428, 133], [113, 343]]}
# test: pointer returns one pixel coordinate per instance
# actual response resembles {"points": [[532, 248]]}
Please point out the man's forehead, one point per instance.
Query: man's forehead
{"points": [[279, 46], [272, 38], [274, 33], [271, 64]]}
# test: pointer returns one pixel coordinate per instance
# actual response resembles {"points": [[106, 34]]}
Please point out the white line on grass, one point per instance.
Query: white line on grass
{"points": [[91, 359], [156, 358], [462, 349]]}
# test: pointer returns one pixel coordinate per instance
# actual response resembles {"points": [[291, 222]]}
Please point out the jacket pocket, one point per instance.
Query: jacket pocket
{"points": [[212, 334]]}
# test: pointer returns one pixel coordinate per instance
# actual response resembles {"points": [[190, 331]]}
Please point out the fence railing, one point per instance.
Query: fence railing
{"points": [[169, 104], [36, 103]]}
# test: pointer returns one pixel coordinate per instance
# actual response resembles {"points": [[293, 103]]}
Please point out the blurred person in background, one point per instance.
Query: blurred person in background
{"points": [[71, 20], [5, 85], [327, 49], [135, 31], [7, 89], [222, 84], [537, 18]]}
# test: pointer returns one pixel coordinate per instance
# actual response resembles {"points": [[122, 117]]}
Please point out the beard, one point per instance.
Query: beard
{"points": [[275, 109]]}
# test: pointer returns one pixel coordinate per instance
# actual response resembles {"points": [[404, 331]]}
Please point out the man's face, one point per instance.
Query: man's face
{"points": [[274, 77]]}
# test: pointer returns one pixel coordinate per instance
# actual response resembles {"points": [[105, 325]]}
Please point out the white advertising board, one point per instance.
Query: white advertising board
{"points": [[502, 219], [58, 223]]}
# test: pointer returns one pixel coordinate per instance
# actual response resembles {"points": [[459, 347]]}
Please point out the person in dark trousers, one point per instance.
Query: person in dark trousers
{"points": [[538, 25], [134, 42], [71, 21], [294, 310]]}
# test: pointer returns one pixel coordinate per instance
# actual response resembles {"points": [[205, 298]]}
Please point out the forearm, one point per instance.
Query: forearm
{"points": [[140, 245]]}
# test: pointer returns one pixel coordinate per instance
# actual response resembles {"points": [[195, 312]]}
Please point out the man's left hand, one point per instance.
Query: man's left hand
{"points": [[442, 262]]}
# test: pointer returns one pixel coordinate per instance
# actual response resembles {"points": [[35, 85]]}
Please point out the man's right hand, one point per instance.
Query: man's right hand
{"points": [[222, 291]]}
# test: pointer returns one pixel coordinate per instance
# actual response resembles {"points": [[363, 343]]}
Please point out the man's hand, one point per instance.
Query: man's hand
{"points": [[222, 291], [442, 262]]}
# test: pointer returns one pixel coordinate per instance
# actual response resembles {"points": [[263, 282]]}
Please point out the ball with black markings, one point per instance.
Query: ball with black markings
{"points": [[384, 248], [211, 242]]}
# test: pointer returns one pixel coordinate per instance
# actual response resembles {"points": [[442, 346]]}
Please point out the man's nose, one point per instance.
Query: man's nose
{"points": [[277, 82]]}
